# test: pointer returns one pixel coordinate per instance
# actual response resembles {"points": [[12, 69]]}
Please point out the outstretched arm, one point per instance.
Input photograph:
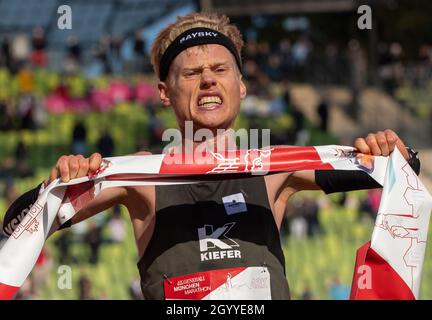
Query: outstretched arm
{"points": [[281, 187], [66, 168]]}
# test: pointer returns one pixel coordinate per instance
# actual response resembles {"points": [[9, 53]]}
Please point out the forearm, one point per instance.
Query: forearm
{"points": [[331, 181]]}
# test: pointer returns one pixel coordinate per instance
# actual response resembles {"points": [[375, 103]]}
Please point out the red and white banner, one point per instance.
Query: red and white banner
{"points": [[393, 258]]}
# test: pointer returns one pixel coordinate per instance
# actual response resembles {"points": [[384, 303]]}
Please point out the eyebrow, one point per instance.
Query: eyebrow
{"points": [[212, 66]]}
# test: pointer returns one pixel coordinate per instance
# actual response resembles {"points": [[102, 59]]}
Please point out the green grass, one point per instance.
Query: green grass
{"points": [[110, 278]]}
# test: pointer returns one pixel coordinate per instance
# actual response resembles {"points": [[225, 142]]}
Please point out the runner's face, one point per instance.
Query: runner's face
{"points": [[205, 86]]}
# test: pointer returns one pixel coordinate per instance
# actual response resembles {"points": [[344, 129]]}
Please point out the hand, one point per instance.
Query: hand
{"points": [[381, 143], [74, 166]]}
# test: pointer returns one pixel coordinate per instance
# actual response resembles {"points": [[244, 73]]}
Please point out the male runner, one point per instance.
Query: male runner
{"points": [[193, 232]]}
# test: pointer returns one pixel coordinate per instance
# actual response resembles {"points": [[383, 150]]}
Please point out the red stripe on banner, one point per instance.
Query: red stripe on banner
{"points": [[278, 159], [297, 158], [80, 194], [7, 292], [375, 279]]}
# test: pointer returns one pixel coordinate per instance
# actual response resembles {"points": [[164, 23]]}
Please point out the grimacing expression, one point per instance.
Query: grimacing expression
{"points": [[205, 86]]}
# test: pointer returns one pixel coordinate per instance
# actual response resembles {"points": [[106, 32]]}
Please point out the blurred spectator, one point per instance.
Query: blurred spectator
{"points": [[74, 48], [79, 138], [135, 292], [273, 68], [41, 271], [251, 50], [156, 128], [141, 59], [305, 219], [263, 54], [251, 71], [63, 243], [332, 64], [25, 80], [85, 288], [79, 231], [371, 202], [307, 293], [337, 290], [38, 56], [73, 56], [22, 165], [27, 111], [300, 54], [20, 49], [114, 56], [297, 117], [310, 213], [6, 116], [323, 114], [285, 55], [298, 227], [6, 55], [100, 64], [117, 226], [299, 133], [358, 75], [297, 224], [10, 193], [26, 291], [94, 240], [105, 144]]}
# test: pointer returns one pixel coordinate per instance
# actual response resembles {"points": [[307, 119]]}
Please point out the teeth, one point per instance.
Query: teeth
{"points": [[209, 99]]}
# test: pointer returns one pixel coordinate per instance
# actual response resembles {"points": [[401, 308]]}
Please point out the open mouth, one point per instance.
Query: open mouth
{"points": [[209, 102]]}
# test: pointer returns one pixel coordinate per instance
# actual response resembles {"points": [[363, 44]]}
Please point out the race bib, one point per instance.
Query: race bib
{"points": [[251, 283]]}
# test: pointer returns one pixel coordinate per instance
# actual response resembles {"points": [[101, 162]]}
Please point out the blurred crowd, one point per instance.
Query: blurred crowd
{"points": [[110, 55], [77, 87]]}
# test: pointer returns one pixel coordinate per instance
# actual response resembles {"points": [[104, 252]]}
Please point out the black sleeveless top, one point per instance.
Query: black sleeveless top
{"points": [[183, 212]]}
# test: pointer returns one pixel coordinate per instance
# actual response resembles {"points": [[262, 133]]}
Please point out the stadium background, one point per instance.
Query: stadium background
{"points": [[313, 78]]}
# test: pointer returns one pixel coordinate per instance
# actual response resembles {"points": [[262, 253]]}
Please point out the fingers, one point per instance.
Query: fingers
{"points": [[362, 146], [373, 144], [95, 161], [63, 168], [381, 143], [381, 140], [392, 139], [71, 167], [53, 174], [83, 164]]}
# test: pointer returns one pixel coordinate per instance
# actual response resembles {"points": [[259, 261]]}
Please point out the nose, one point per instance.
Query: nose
{"points": [[207, 79]]}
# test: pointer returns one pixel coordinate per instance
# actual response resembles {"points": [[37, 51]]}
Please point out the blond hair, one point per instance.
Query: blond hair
{"points": [[213, 21]]}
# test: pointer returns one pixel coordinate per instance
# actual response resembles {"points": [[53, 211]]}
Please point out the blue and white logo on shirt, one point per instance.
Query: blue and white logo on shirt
{"points": [[234, 203]]}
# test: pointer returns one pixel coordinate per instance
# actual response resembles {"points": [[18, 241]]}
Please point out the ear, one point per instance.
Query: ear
{"points": [[163, 93], [243, 90]]}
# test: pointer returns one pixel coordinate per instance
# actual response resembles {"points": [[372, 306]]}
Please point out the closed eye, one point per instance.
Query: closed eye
{"points": [[189, 73], [221, 69]]}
